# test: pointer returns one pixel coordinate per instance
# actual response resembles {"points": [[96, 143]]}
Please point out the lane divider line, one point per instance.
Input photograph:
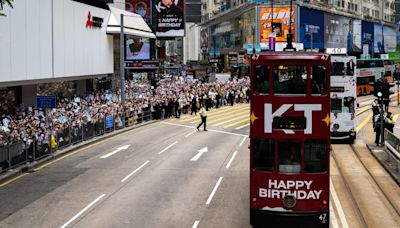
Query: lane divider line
{"points": [[241, 143], [195, 224], [214, 191], [191, 133], [230, 161], [82, 211], [360, 126], [140, 167], [166, 148], [336, 201]]}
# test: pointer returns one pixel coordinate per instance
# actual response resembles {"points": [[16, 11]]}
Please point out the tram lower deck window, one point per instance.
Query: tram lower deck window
{"points": [[289, 157], [315, 156], [263, 154]]}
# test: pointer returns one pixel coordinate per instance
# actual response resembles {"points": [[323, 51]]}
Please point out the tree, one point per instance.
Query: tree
{"points": [[2, 3]]}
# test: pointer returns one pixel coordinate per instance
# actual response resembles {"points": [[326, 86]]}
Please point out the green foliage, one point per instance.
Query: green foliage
{"points": [[5, 2]]}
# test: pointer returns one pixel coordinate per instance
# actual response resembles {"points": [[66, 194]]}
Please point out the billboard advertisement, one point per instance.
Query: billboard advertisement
{"points": [[367, 34], [389, 36], [378, 38], [280, 24], [170, 15], [311, 28], [137, 48], [337, 31], [141, 7], [355, 44]]}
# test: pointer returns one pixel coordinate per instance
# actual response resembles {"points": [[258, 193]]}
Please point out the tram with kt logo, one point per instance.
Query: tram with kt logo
{"points": [[290, 140]]}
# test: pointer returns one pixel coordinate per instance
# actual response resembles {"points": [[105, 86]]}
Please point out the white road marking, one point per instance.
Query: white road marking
{"points": [[116, 151], [191, 133], [196, 223], [200, 152], [126, 178], [230, 161], [223, 132], [336, 201], [244, 139], [82, 211], [332, 217], [214, 190], [166, 148]]}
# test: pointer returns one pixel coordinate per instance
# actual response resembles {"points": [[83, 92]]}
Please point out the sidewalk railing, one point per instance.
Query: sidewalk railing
{"points": [[392, 144]]}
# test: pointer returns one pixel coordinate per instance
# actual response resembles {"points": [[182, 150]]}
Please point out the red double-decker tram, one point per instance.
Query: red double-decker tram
{"points": [[290, 140]]}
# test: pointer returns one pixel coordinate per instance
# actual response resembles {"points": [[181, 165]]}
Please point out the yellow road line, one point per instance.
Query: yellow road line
{"points": [[360, 126], [243, 126], [237, 123], [395, 117], [223, 112], [230, 120], [12, 180], [363, 109], [230, 115], [187, 116]]}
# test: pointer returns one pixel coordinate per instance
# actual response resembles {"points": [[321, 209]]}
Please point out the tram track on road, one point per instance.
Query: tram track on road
{"points": [[361, 210]]}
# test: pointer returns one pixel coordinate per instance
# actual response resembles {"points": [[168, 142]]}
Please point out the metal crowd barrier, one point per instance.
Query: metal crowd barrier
{"points": [[392, 144]]}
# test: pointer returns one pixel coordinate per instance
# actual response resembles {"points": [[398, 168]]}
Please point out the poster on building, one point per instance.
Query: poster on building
{"points": [[337, 31], [389, 35], [367, 34], [311, 28], [141, 7], [280, 25], [355, 44], [378, 39], [170, 18], [249, 26]]}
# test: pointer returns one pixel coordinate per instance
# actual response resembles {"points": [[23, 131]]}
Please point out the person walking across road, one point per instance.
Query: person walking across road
{"points": [[203, 115]]}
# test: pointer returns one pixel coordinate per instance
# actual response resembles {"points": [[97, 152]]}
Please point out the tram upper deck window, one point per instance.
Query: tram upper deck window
{"points": [[263, 154], [315, 156], [318, 80], [261, 79], [289, 157], [350, 67], [290, 80]]}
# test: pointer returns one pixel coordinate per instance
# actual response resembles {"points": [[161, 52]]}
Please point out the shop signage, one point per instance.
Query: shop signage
{"points": [[170, 18], [250, 48], [94, 22]]}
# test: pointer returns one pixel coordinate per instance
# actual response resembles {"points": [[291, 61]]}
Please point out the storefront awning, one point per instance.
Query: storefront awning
{"points": [[133, 24]]}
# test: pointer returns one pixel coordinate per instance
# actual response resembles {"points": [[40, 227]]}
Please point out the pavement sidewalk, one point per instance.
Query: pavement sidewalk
{"points": [[28, 167]]}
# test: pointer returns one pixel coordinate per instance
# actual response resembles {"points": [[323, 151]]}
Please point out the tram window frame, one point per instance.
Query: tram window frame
{"points": [[337, 69], [350, 66], [260, 84], [336, 105], [289, 160], [290, 84], [348, 105], [266, 147], [319, 85], [315, 156]]}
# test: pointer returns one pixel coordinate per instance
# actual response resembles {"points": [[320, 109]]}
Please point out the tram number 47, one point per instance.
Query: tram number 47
{"points": [[323, 218]]}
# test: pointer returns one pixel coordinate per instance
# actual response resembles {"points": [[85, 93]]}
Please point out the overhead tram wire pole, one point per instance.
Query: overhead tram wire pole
{"points": [[122, 65]]}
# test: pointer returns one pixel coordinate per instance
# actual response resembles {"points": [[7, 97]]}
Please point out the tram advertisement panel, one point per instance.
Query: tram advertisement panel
{"points": [[170, 18], [280, 24]]}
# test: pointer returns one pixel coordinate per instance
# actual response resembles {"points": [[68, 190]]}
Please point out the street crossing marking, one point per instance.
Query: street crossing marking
{"points": [[243, 126], [218, 113], [237, 123], [235, 117]]}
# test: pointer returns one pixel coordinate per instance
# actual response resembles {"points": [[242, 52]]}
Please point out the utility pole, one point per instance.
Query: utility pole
{"points": [[122, 65]]}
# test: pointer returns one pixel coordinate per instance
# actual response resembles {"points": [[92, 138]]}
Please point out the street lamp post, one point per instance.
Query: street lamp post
{"points": [[122, 65]]}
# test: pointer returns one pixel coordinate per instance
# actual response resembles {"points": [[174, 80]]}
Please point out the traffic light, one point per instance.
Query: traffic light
{"points": [[378, 88], [386, 90]]}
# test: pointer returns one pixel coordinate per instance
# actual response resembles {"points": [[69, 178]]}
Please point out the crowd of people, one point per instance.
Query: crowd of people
{"points": [[172, 97]]}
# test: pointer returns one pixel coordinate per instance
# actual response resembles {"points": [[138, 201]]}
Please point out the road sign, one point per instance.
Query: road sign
{"points": [[46, 101], [109, 122]]}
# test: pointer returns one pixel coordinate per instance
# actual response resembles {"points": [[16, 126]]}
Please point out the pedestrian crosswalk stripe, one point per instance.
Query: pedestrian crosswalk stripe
{"points": [[230, 120], [237, 123], [214, 114], [243, 126], [212, 111], [213, 119]]}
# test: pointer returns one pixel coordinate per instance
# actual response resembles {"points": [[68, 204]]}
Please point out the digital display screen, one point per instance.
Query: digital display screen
{"points": [[137, 48], [294, 123]]}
